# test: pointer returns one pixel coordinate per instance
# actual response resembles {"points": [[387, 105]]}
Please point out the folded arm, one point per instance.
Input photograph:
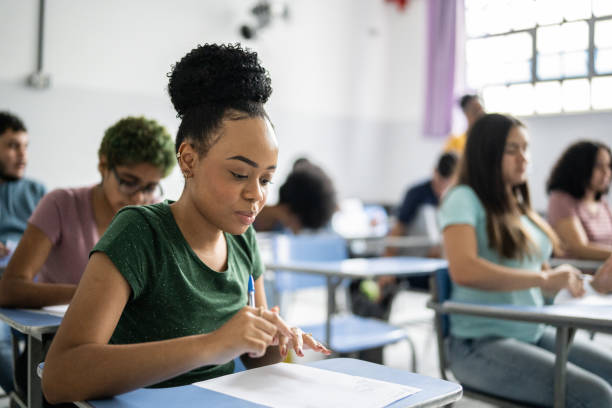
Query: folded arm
{"points": [[17, 286]]}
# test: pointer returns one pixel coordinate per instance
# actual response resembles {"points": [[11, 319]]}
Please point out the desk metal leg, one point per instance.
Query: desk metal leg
{"points": [[35, 356], [563, 341], [332, 285], [37, 350]]}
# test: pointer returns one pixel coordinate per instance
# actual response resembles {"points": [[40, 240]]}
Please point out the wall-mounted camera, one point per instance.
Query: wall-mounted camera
{"points": [[264, 12]]}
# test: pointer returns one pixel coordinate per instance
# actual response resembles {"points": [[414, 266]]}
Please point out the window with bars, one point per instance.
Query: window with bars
{"points": [[540, 56]]}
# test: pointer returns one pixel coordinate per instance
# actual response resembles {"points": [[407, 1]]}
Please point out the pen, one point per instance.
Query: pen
{"points": [[251, 290]]}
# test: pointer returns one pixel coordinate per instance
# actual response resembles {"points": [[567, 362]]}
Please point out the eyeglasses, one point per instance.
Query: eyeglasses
{"points": [[129, 188]]}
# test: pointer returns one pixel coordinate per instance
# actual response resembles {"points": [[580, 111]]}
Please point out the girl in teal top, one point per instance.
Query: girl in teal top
{"points": [[497, 248], [163, 300]]}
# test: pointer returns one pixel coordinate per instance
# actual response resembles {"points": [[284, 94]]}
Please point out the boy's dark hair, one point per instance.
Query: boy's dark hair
{"points": [[447, 164], [8, 121], [212, 83], [310, 195], [138, 140], [466, 99], [573, 171]]}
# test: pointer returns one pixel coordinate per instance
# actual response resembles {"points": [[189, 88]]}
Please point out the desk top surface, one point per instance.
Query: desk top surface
{"points": [[364, 267], [582, 264], [434, 392], [595, 317], [32, 322]]}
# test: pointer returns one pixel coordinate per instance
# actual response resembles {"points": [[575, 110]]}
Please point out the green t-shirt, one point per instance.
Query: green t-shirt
{"points": [[174, 293], [462, 206]]}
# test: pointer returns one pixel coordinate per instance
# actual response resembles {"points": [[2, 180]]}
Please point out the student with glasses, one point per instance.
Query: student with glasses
{"points": [[135, 154]]}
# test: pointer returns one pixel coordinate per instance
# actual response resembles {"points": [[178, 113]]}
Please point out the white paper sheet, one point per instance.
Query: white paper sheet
{"points": [[10, 245], [300, 386], [591, 297], [59, 310]]}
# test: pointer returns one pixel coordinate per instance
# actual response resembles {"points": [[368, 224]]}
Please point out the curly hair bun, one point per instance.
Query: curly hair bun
{"points": [[222, 75]]}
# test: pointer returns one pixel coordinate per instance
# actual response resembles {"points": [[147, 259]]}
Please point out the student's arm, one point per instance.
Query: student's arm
{"points": [[602, 281], [468, 269], [82, 365], [398, 230], [266, 219], [572, 233], [17, 286]]}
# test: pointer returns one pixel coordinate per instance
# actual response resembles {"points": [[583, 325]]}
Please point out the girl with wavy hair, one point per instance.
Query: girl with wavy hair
{"points": [[577, 207]]}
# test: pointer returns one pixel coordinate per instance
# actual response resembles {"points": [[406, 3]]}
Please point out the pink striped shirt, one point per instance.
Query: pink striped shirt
{"points": [[597, 224]]}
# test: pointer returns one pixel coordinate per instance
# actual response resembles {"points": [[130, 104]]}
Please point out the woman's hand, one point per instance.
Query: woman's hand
{"points": [[564, 277], [251, 331], [602, 281], [304, 341]]}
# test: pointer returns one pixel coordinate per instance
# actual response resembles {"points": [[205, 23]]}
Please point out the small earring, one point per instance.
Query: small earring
{"points": [[178, 155], [187, 174]]}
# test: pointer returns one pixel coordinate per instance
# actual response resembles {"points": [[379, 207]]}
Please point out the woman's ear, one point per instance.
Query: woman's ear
{"points": [[187, 158]]}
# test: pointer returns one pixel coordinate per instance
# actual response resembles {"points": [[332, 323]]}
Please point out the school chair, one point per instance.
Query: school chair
{"points": [[440, 289], [349, 333]]}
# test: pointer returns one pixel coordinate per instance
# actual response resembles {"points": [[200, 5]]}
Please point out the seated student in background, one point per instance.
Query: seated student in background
{"points": [[135, 154], [421, 198], [18, 198], [18, 195], [163, 300], [306, 201], [497, 248], [577, 206], [473, 110]]}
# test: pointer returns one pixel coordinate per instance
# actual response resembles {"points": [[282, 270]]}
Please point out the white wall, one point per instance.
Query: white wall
{"points": [[347, 75], [550, 135]]}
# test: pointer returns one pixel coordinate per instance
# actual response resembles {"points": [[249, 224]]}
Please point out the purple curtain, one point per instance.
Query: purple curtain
{"points": [[439, 99]]}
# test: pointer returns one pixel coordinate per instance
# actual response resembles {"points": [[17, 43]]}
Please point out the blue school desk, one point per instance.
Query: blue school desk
{"points": [[434, 392], [585, 265], [359, 268], [39, 328], [565, 318]]}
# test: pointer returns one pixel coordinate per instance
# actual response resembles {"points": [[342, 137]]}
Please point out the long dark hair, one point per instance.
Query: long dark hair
{"points": [[481, 170], [573, 171]]}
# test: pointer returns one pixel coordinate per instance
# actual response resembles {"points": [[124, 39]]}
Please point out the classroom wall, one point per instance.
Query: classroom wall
{"points": [[347, 76]]}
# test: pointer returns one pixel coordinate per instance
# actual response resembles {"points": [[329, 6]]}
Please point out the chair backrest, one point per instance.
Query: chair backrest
{"points": [[305, 248], [440, 288], [442, 291]]}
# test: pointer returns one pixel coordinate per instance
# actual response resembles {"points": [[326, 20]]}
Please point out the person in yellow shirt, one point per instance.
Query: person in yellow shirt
{"points": [[472, 109]]}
